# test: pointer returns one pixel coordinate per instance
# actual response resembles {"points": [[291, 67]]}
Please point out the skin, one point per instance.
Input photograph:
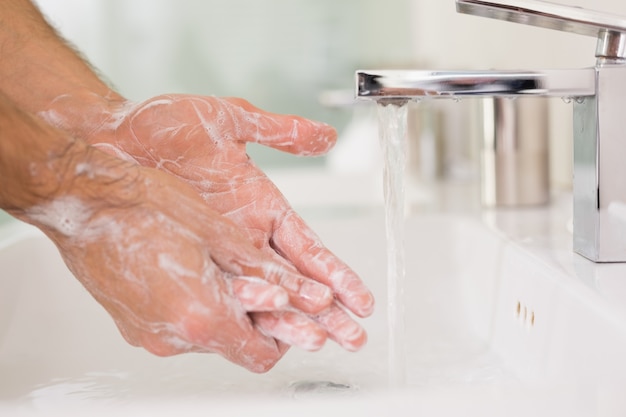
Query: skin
{"points": [[201, 140], [201, 251], [176, 292]]}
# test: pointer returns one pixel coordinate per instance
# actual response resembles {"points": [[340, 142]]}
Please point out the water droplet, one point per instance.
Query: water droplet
{"points": [[457, 99], [566, 100], [580, 100]]}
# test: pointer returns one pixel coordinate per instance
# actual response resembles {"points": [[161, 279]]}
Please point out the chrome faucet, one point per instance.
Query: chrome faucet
{"points": [[598, 95]]}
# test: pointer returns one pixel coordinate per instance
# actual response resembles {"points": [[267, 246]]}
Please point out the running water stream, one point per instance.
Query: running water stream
{"points": [[392, 122]]}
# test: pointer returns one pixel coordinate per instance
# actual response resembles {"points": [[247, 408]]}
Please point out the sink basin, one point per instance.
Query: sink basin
{"points": [[501, 318]]}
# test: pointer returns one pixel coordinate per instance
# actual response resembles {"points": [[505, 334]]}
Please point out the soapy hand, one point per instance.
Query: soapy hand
{"points": [[202, 140], [217, 262], [175, 277]]}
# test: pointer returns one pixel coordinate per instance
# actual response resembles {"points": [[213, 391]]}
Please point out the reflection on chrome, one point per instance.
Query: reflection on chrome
{"points": [[444, 84]]}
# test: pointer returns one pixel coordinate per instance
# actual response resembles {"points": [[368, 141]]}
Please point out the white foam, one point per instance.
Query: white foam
{"points": [[66, 215]]}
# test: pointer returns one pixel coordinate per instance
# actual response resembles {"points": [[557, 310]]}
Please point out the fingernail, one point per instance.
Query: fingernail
{"points": [[366, 305]]}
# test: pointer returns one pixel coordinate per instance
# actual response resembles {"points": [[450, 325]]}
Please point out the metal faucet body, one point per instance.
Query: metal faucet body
{"points": [[600, 168], [598, 96]]}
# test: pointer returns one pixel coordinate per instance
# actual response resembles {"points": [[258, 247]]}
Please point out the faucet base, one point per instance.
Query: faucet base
{"points": [[600, 169]]}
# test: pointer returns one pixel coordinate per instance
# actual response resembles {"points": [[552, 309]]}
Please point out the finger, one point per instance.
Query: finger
{"points": [[287, 133], [291, 328], [237, 339], [255, 294], [301, 246], [304, 293], [342, 328], [259, 352], [254, 350]]}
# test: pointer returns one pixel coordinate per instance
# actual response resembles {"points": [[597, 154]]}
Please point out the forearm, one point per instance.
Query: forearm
{"points": [[27, 153], [38, 68]]}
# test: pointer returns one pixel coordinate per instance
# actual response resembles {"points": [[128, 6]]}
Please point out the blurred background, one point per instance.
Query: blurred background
{"points": [[283, 55]]}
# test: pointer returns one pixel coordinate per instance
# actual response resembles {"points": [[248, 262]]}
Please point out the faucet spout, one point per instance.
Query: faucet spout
{"points": [[408, 84]]}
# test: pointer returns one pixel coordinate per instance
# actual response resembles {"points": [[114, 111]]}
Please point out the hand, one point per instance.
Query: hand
{"points": [[202, 141], [174, 275], [193, 128]]}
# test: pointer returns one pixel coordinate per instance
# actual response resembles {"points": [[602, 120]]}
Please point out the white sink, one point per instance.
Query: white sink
{"points": [[502, 320]]}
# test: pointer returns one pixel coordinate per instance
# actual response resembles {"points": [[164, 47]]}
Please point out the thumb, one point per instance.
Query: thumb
{"points": [[288, 133]]}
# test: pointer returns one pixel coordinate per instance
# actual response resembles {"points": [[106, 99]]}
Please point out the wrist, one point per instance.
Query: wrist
{"points": [[85, 114]]}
